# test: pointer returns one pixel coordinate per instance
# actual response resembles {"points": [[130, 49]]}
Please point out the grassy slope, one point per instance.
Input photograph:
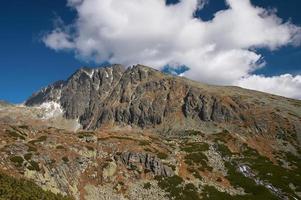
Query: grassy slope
{"points": [[21, 189]]}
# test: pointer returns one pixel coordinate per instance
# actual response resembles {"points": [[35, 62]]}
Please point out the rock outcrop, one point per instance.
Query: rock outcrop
{"points": [[147, 161]]}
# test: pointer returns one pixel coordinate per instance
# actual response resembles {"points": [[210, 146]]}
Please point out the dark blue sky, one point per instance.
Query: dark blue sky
{"points": [[27, 65]]}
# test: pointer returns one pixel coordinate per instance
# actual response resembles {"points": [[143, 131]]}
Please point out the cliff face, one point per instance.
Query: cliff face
{"points": [[144, 97]]}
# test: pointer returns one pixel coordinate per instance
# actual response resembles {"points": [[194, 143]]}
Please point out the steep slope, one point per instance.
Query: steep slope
{"points": [[143, 97], [14, 188]]}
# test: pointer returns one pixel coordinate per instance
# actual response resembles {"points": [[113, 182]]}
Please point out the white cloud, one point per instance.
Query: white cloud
{"points": [[220, 51], [286, 84], [58, 40]]}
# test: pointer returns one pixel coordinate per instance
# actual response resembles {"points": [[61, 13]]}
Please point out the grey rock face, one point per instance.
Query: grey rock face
{"points": [[149, 162], [144, 97], [209, 108], [82, 93], [50, 93], [139, 96]]}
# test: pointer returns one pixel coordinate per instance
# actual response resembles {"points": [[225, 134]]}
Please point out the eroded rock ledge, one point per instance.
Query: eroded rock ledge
{"points": [[144, 161]]}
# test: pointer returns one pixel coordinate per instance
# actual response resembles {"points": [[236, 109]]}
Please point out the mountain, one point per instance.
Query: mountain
{"points": [[4, 103], [143, 97], [137, 133]]}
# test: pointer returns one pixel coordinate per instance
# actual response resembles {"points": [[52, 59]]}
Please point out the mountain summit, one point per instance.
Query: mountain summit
{"points": [[143, 97]]}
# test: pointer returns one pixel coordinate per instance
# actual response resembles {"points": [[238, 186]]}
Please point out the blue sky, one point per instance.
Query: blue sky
{"points": [[27, 64]]}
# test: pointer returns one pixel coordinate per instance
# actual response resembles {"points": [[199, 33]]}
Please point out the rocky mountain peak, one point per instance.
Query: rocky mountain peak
{"points": [[143, 97]]}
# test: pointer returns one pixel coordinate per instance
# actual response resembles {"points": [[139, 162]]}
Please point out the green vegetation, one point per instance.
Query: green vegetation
{"points": [[148, 150], [224, 150], [193, 133], [195, 147], [21, 189], [122, 138], [82, 135], [196, 157], [144, 142], [118, 186], [147, 185], [133, 167], [223, 136], [14, 134], [31, 148], [60, 147], [294, 160], [278, 176], [162, 155], [117, 137], [199, 159], [28, 156], [177, 189], [17, 160], [210, 192], [24, 127], [101, 139], [65, 159], [295, 102], [40, 139], [237, 179], [34, 166], [190, 192], [52, 161], [173, 167], [105, 165]]}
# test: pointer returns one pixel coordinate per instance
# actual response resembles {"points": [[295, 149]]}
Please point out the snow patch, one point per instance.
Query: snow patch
{"points": [[106, 74], [51, 109], [245, 170], [90, 74]]}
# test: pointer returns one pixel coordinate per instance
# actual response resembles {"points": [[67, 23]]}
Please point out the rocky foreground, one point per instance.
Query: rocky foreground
{"points": [[136, 133]]}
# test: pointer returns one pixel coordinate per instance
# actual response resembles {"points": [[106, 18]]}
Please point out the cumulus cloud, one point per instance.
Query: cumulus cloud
{"points": [[285, 85], [58, 40], [219, 51]]}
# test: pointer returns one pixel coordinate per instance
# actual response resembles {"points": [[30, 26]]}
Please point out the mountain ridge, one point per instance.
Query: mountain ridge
{"points": [[144, 97]]}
